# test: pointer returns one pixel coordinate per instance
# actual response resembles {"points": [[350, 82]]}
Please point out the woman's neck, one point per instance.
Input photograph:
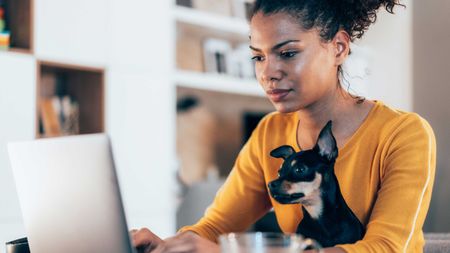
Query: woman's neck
{"points": [[330, 107], [340, 107]]}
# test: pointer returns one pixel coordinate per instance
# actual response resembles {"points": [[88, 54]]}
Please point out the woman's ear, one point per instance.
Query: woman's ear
{"points": [[341, 43]]}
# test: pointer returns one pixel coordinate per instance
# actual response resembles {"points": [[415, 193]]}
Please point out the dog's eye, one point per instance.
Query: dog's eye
{"points": [[300, 170]]}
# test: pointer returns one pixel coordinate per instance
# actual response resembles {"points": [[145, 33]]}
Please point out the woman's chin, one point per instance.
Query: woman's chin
{"points": [[284, 107]]}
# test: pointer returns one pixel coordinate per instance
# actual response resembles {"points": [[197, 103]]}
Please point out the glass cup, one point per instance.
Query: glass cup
{"points": [[263, 242]]}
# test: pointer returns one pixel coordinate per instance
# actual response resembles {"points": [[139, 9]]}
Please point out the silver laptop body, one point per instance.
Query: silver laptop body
{"points": [[69, 195]]}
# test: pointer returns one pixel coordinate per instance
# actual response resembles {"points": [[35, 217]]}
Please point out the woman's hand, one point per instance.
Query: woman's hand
{"points": [[144, 240], [187, 242]]}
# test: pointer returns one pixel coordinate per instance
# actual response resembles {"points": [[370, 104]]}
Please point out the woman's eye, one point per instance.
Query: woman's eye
{"points": [[288, 54], [257, 58]]}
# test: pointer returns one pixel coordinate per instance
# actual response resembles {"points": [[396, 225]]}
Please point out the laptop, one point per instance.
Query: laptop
{"points": [[69, 195]]}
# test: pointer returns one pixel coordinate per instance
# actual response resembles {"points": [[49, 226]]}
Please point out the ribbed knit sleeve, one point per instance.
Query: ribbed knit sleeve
{"points": [[402, 201]]}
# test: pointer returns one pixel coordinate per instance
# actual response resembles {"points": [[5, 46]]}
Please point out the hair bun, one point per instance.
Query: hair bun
{"points": [[354, 16], [357, 15]]}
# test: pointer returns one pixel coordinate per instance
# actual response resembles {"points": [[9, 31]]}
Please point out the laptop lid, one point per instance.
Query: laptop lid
{"points": [[69, 195]]}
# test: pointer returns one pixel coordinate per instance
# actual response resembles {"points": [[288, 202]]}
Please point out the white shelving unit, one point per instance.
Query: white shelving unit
{"points": [[213, 90], [204, 25]]}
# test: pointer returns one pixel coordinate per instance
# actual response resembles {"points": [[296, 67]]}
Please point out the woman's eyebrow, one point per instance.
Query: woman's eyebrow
{"points": [[277, 46]]}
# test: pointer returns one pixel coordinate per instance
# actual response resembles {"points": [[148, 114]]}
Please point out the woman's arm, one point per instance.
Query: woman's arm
{"points": [[242, 199], [186, 242], [407, 176], [239, 202]]}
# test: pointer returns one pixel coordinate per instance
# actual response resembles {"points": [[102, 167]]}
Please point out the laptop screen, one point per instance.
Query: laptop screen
{"points": [[69, 195]]}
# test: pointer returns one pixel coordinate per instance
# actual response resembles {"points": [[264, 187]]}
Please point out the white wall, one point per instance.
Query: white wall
{"points": [[431, 96], [72, 31], [17, 114], [141, 110], [389, 44], [409, 63]]}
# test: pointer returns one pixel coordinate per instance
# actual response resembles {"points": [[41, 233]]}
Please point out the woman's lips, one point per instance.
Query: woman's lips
{"points": [[278, 95]]}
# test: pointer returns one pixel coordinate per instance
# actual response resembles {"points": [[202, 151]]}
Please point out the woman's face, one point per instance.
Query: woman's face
{"points": [[295, 67]]}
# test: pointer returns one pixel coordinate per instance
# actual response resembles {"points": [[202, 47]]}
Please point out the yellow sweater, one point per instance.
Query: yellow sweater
{"points": [[385, 171]]}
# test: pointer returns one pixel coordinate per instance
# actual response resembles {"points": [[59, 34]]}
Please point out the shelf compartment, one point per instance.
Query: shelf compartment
{"points": [[218, 82], [19, 16], [219, 26], [227, 114], [84, 85]]}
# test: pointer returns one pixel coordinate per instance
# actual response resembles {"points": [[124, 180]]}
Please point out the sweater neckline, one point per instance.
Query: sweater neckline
{"points": [[355, 136]]}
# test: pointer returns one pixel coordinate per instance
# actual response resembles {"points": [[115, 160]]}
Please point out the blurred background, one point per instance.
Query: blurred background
{"points": [[173, 85]]}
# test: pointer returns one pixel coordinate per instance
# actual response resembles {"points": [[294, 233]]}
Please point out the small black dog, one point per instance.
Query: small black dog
{"points": [[308, 178]]}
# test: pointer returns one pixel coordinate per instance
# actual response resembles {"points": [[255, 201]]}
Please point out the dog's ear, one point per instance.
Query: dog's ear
{"points": [[326, 143], [282, 152]]}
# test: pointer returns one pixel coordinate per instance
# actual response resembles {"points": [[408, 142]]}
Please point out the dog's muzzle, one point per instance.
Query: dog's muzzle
{"points": [[276, 191]]}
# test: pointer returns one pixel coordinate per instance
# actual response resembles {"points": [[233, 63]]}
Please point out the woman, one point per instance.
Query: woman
{"points": [[386, 157]]}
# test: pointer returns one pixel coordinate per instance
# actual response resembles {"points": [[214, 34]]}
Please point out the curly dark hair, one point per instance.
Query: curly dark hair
{"points": [[329, 16]]}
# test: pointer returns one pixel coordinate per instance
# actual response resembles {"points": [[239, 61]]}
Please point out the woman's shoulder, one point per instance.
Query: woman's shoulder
{"points": [[390, 115], [386, 127], [390, 120]]}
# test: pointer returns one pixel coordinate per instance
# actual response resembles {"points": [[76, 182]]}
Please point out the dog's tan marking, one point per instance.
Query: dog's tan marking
{"points": [[306, 187], [311, 201], [313, 204]]}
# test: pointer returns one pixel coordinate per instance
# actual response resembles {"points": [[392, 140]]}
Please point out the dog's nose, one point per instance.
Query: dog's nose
{"points": [[274, 184]]}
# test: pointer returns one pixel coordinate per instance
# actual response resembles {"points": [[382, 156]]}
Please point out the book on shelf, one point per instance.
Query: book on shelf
{"points": [[185, 3], [240, 63], [220, 57], [2, 17], [4, 40], [5, 35], [60, 116], [216, 55], [49, 117], [69, 116]]}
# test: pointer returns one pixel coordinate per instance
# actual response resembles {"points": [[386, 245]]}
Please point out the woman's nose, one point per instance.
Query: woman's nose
{"points": [[271, 71]]}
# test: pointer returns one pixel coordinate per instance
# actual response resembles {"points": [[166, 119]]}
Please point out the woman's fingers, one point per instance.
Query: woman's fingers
{"points": [[144, 240], [187, 242], [175, 245]]}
